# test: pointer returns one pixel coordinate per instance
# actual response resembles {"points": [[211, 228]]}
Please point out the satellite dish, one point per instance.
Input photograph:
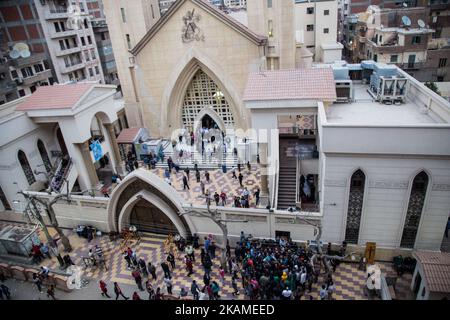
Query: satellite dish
{"points": [[421, 23], [21, 47], [25, 53], [14, 54], [406, 21]]}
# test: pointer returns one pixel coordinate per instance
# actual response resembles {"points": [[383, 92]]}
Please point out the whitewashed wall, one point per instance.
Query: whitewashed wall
{"points": [[387, 189]]}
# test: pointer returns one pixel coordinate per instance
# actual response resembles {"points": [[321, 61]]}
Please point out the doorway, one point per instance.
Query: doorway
{"points": [[148, 218]]}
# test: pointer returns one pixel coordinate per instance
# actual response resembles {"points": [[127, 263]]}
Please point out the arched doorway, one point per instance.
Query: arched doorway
{"points": [[149, 218], [202, 94], [148, 202], [208, 122], [355, 206], [415, 208]]}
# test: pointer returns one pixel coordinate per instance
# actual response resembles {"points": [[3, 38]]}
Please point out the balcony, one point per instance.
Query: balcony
{"points": [[41, 76], [72, 67], [67, 51], [63, 34], [34, 58], [57, 13]]}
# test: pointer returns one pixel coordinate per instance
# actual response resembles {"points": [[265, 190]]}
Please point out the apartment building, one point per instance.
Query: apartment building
{"points": [[23, 68], [399, 36], [70, 38]]}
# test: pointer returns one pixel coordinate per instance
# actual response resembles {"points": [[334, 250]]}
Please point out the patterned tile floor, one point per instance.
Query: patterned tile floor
{"points": [[218, 182], [350, 281]]}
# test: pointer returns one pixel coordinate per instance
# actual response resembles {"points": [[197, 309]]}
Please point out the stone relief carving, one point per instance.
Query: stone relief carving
{"points": [[382, 184], [335, 183], [441, 187], [191, 31]]}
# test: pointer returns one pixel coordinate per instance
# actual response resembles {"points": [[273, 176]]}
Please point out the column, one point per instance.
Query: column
{"points": [[89, 166], [115, 148], [264, 196]]}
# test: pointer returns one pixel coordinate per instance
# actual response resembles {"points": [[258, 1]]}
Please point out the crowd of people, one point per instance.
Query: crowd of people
{"points": [[266, 269]]}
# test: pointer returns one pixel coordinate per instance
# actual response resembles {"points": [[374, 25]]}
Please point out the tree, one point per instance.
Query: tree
{"points": [[215, 216], [432, 86], [324, 259]]}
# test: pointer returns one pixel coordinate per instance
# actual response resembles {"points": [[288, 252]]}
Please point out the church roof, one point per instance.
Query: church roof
{"points": [[228, 20], [55, 97], [297, 84]]}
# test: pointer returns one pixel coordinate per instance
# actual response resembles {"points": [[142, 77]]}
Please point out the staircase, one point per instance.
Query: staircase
{"points": [[204, 163], [286, 187]]}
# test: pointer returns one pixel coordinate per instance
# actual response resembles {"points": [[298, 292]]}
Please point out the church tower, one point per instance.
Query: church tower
{"points": [[275, 19]]}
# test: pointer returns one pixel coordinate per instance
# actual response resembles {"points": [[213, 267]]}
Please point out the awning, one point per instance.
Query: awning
{"points": [[129, 135]]}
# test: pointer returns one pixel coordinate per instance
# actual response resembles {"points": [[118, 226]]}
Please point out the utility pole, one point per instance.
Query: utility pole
{"points": [[215, 215], [37, 214]]}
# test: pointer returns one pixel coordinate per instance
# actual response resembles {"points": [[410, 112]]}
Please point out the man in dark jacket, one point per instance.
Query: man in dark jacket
{"points": [[166, 270]]}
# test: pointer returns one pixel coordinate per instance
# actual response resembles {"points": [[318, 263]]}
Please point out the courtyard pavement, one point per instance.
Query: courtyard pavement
{"points": [[219, 182], [349, 281]]}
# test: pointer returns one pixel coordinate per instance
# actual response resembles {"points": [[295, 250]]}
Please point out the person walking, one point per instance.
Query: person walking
{"points": [[223, 197], [241, 177], [152, 270], [104, 289], [216, 198], [197, 175], [37, 281], [150, 290], [189, 266], [185, 183], [118, 291], [195, 290], [127, 259], [187, 171], [207, 176], [234, 286], [249, 167], [171, 260], [234, 174], [212, 250], [166, 270], [143, 267], [137, 278], [222, 275], [169, 285], [257, 194], [202, 187], [51, 292]]}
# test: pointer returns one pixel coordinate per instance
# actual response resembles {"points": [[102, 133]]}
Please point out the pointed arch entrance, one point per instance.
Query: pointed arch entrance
{"points": [[203, 94], [144, 200]]}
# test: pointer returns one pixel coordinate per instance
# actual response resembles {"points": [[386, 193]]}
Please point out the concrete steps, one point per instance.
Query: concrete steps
{"points": [[286, 187]]}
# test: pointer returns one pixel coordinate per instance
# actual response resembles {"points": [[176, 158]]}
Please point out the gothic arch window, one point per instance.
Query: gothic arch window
{"points": [[355, 205], [4, 200], [201, 93], [26, 167], [44, 156], [415, 208]]}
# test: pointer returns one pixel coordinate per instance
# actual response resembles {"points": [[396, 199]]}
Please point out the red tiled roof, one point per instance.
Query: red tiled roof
{"points": [[309, 83], [55, 97], [128, 135], [436, 266]]}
